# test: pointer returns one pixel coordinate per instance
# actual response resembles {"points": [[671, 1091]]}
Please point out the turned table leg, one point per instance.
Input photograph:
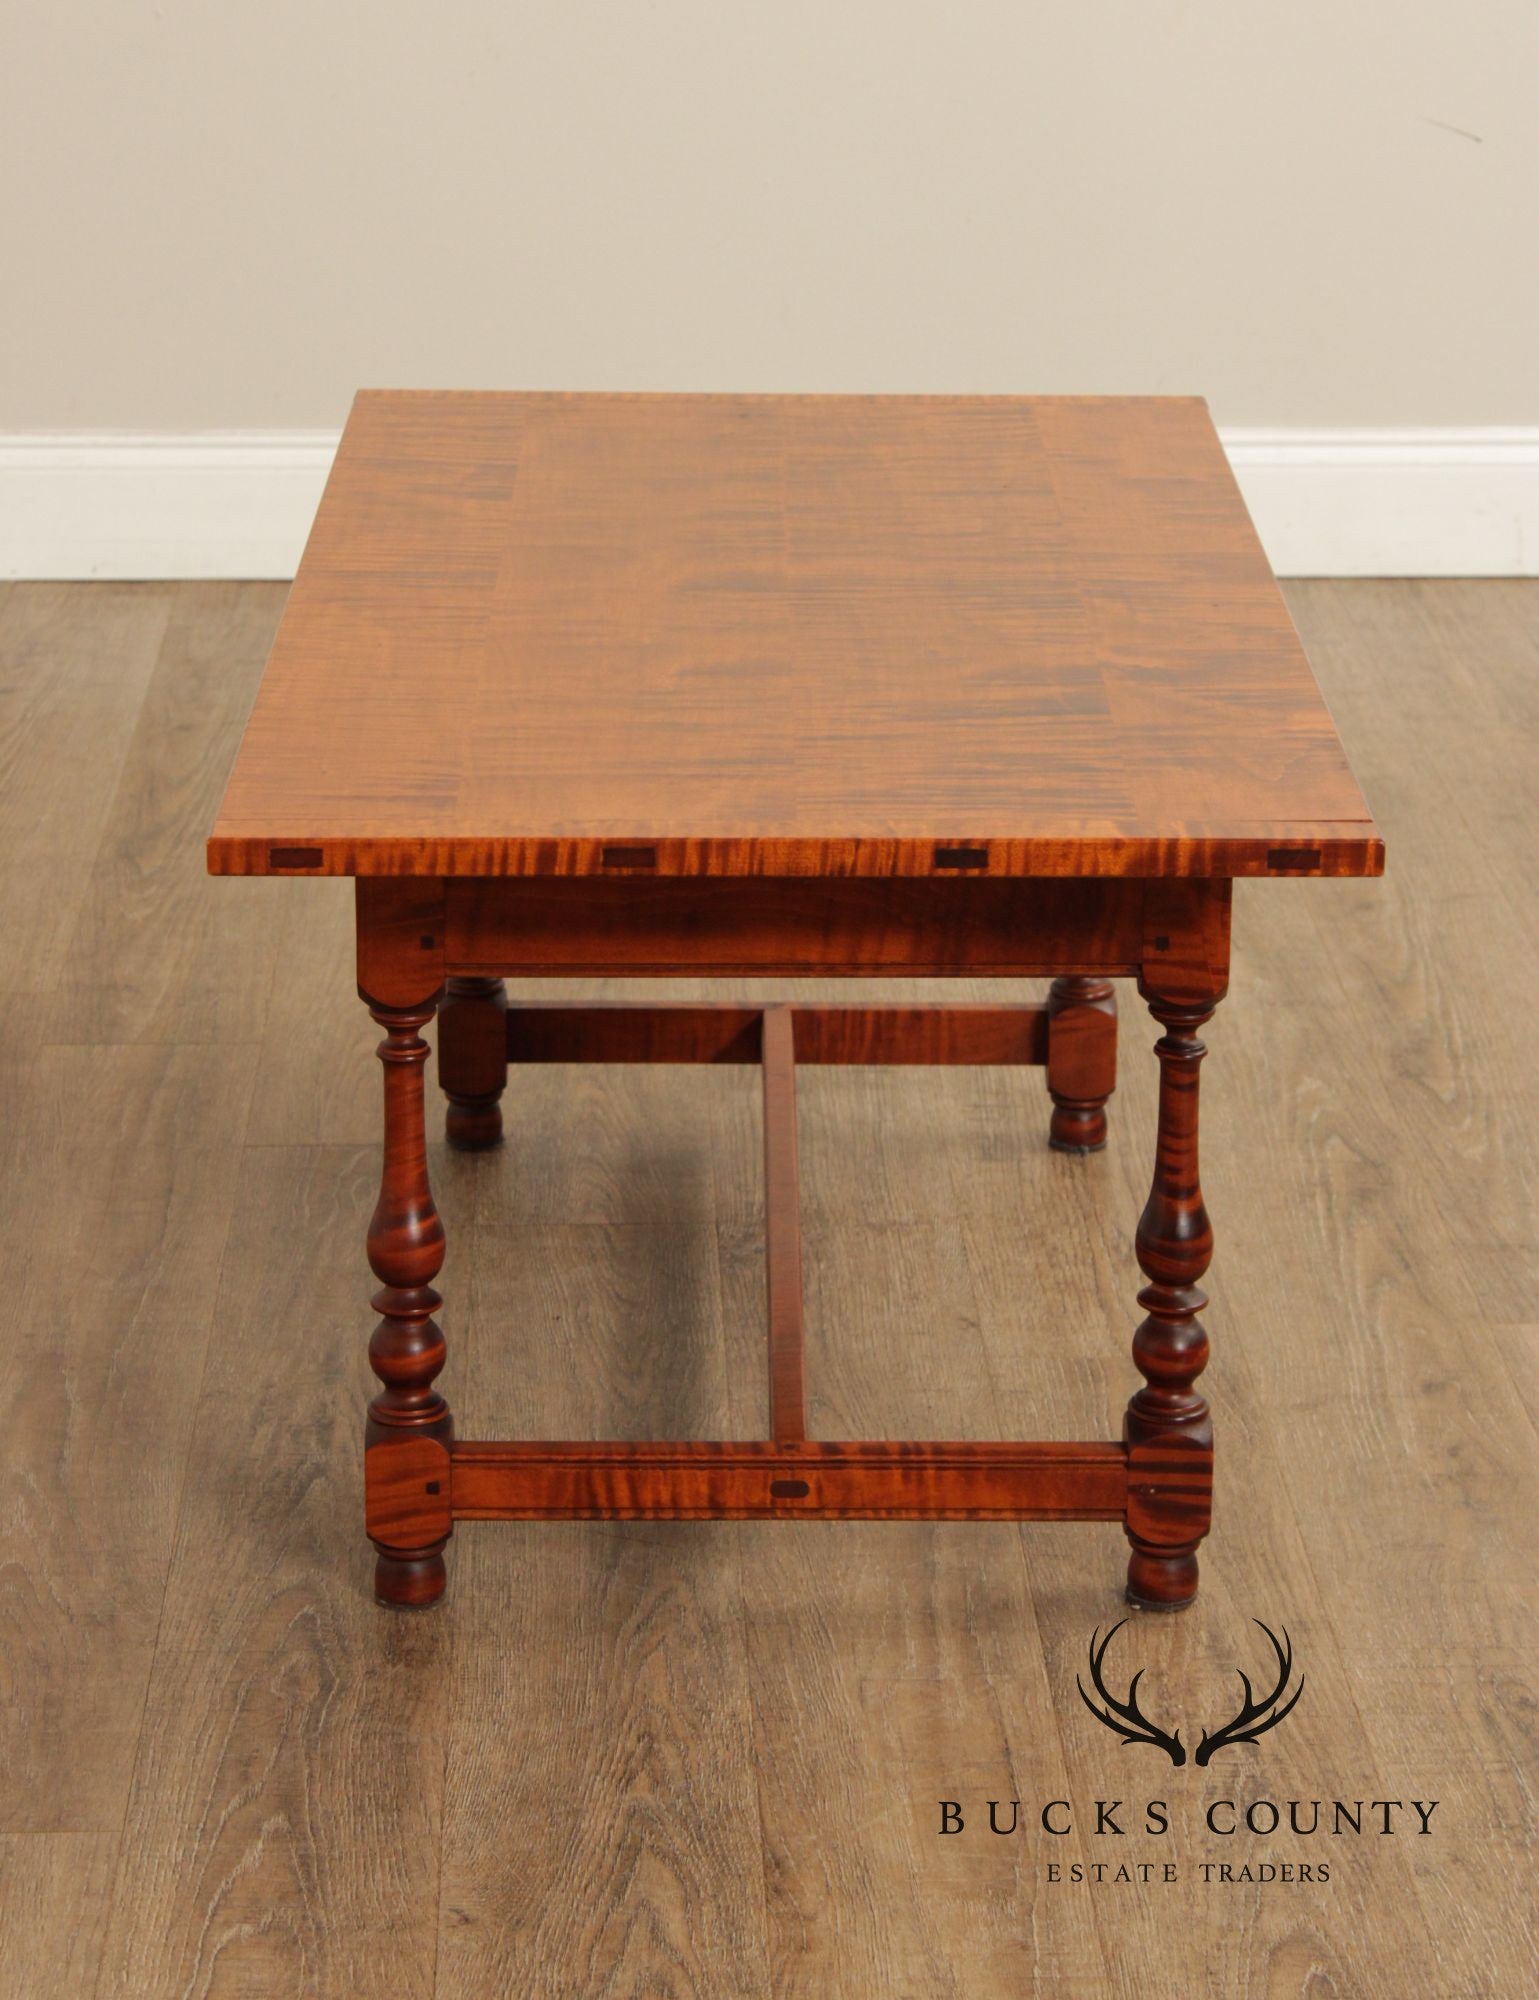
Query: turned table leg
{"points": [[409, 1427], [473, 1060], [1175, 1244], [1081, 1061]]}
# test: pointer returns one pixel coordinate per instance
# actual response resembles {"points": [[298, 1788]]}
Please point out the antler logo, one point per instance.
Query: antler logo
{"points": [[1253, 1718], [1125, 1717]]}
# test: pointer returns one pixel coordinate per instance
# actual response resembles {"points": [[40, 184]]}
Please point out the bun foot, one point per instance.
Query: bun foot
{"points": [[410, 1583], [1161, 1582], [472, 1125], [1077, 1128], [473, 1061]]}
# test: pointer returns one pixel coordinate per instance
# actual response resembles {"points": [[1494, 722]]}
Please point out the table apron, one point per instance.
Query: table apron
{"points": [[785, 926]]}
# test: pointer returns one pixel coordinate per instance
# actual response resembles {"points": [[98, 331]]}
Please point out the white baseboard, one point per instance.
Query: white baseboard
{"points": [[1433, 502], [218, 504]]}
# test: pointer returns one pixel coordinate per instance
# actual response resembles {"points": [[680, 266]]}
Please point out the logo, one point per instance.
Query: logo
{"points": [[1252, 1719]]}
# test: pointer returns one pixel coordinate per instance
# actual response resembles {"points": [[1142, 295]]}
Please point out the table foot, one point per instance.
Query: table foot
{"points": [[412, 1582], [1074, 1131], [473, 1061], [1162, 1580], [473, 1125], [1081, 1061]]}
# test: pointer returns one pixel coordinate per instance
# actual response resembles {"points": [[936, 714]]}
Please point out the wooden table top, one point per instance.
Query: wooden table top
{"points": [[787, 635]]}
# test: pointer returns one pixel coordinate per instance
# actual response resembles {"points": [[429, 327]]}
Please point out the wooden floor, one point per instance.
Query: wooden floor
{"points": [[707, 1758]]}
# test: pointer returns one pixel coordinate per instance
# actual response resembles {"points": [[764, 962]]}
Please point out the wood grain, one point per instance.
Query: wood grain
{"points": [[151, 956], [897, 1647], [782, 1230], [631, 1032], [700, 1480], [1081, 1061], [284, 1705], [55, 1896], [260, 1810], [119, 1177], [406, 1349], [579, 1871], [787, 635], [540, 929], [74, 668]]}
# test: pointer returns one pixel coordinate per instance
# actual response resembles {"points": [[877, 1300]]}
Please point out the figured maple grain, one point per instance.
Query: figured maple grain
{"points": [[782, 1229], [787, 635], [787, 1480], [520, 1744], [720, 1032], [539, 929]]}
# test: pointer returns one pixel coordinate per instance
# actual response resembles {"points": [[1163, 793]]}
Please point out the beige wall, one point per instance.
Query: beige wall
{"points": [[223, 214]]}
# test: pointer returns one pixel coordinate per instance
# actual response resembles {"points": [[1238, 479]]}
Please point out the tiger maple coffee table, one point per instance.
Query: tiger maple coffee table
{"points": [[743, 685]]}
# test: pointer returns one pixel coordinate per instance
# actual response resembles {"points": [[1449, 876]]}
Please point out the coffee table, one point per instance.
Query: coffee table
{"points": [[748, 685]]}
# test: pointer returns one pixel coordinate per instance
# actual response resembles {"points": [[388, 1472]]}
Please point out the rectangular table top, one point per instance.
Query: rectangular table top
{"points": [[787, 635]]}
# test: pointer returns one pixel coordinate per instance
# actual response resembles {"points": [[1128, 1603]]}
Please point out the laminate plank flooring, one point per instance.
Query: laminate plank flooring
{"points": [[635, 1759], [283, 1702], [576, 1872]]}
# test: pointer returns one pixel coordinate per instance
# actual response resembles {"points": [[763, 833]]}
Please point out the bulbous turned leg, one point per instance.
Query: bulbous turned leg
{"points": [[409, 1428], [1081, 1061], [1167, 1416], [473, 1061]]}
